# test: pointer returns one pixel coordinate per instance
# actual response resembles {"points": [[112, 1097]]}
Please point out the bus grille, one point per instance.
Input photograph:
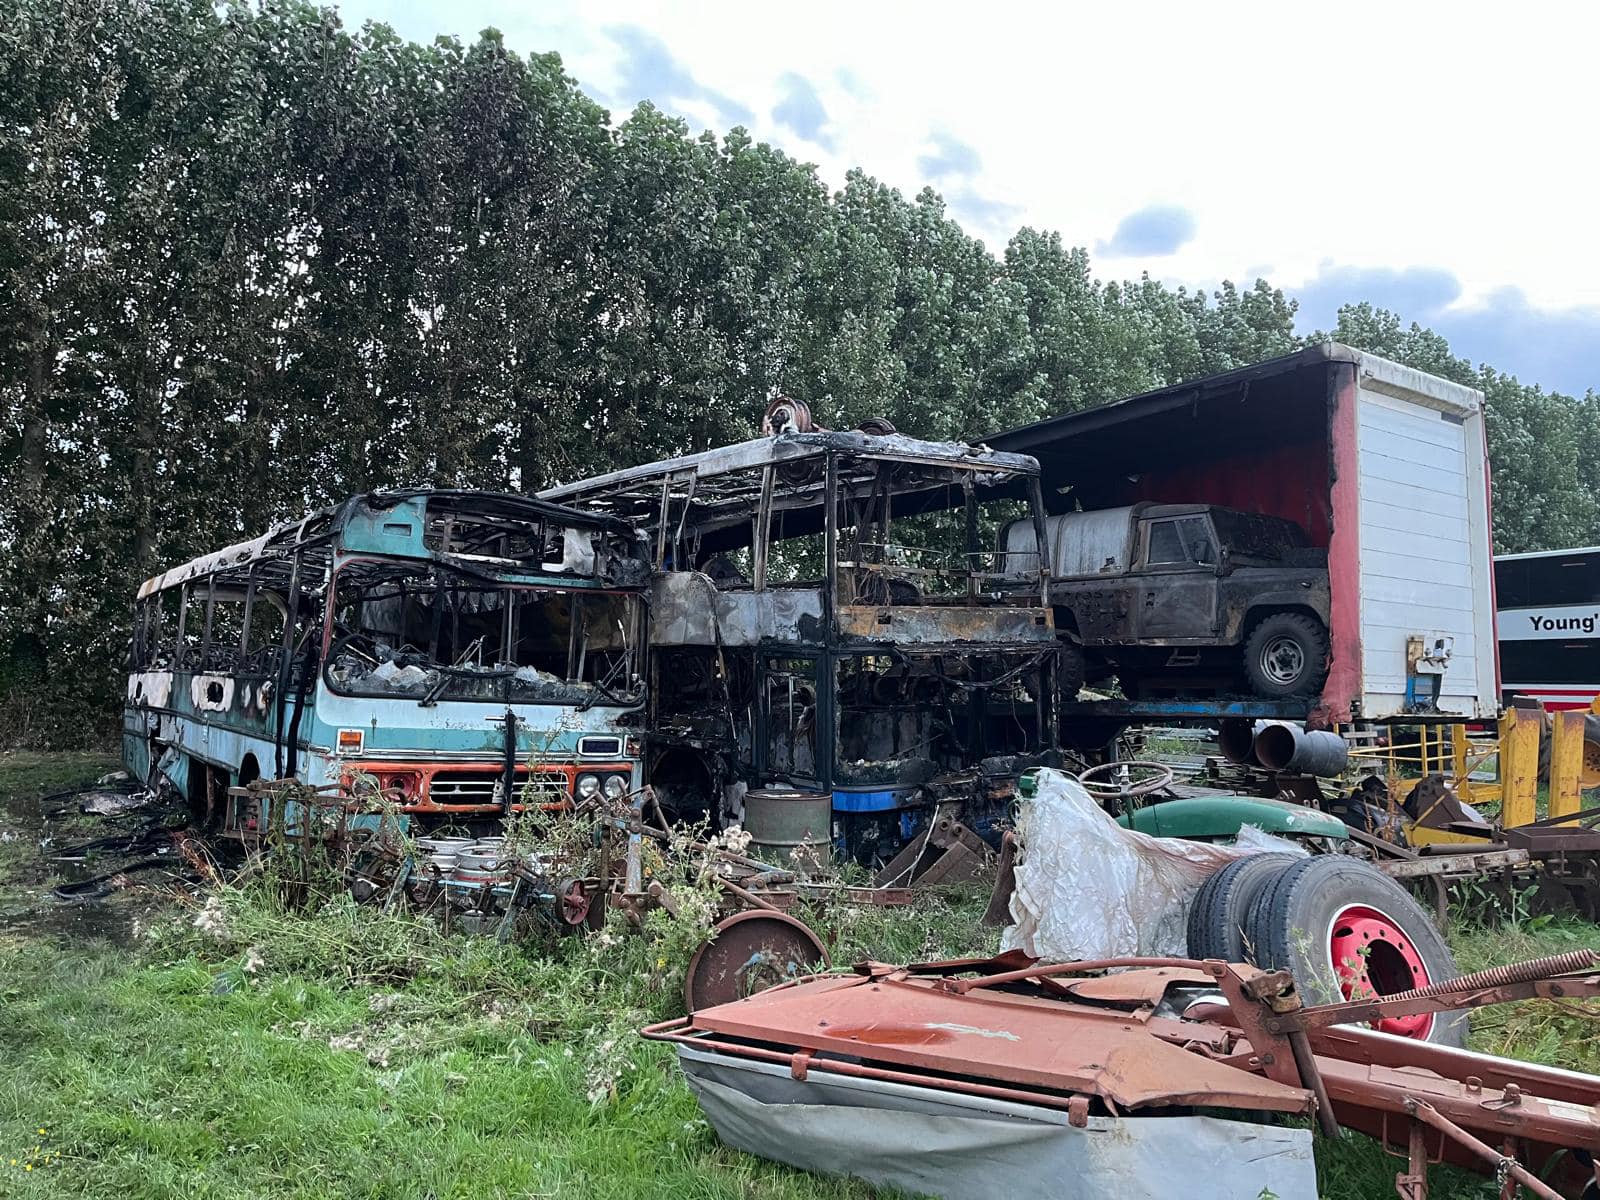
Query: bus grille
{"points": [[483, 787]]}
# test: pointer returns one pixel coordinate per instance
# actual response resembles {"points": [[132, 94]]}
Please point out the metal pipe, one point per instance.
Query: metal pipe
{"points": [[1311, 1079], [744, 894], [1426, 1112], [1236, 738], [1284, 747], [1042, 970]]}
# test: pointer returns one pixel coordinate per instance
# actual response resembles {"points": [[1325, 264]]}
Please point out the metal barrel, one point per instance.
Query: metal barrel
{"points": [[1236, 738], [781, 820], [1284, 747]]}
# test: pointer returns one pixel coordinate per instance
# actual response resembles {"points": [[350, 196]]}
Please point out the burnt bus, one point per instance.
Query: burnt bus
{"points": [[1548, 613], [827, 613]]}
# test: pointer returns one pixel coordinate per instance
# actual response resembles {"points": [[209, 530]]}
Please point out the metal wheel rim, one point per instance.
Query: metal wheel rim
{"points": [[1283, 660], [1373, 927], [759, 969]]}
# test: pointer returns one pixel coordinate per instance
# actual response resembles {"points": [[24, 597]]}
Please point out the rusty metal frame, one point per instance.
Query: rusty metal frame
{"points": [[738, 491], [1392, 1088]]}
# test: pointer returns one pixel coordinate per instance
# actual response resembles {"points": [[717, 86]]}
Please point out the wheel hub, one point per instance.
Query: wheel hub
{"points": [[1282, 660], [1373, 957]]}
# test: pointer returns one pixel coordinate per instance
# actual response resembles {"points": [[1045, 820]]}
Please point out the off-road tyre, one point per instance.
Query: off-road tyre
{"points": [[1290, 927], [1278, 641], [1221, 907]]}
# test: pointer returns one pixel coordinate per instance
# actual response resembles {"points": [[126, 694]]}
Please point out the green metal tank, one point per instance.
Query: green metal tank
{"points": [[781, 820]]}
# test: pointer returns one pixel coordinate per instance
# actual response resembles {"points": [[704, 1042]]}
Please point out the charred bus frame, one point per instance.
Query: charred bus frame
{"points": [[467, 651], [796, 643]]}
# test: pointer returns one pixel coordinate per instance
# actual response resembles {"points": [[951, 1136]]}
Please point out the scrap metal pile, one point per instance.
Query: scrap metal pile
{"points": [[567, 869], [1122, 1075]]}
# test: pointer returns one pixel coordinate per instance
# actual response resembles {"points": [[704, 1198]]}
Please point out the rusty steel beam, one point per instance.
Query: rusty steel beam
{"points": [[1500, 1162], [1552, 977], [1412, 1183]]}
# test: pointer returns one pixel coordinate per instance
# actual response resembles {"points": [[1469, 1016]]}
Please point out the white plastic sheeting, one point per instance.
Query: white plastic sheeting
{"points": [[961, 1147], [1088, 888]]}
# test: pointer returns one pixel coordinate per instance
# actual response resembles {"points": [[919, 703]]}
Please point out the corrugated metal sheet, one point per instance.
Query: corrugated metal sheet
{"points": [[1081, 543]]}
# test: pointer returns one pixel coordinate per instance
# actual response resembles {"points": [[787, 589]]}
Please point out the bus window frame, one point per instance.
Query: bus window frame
{"points": [[638, 634]]}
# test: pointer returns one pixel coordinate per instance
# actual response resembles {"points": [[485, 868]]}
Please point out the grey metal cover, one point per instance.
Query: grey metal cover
{"points": [[964, 1147], [1081, 543]]}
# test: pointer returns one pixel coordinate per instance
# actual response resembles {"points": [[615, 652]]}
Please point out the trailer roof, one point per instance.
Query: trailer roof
{"points": [[1397, 376], [1249, 413]]}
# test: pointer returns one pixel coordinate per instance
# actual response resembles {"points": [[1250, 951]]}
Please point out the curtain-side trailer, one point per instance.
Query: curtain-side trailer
{"points": [[1383, 467]]}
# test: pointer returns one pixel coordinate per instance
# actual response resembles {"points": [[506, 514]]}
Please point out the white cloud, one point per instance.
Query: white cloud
{"points": [[1392, 137]]}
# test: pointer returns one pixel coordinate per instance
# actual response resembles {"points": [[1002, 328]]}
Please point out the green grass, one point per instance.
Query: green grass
{"points": [[349, 1053]]}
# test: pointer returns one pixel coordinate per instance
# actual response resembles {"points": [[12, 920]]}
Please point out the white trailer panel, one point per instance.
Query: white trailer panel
{"points": [[1424, 565]]}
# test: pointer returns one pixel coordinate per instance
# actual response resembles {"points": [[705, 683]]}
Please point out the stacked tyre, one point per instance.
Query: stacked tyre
{"points": [[1338, 925]]}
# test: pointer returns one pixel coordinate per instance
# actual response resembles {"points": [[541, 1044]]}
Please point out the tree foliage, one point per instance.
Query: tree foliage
{"points": [[254, 260]]}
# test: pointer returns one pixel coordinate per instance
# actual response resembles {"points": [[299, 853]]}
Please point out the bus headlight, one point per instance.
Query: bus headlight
{"points": [[587, 785], [616, 786]]}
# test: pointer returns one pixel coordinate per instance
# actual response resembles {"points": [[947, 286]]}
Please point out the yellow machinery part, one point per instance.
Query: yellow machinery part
{"points": [[1422, 835], [1566, 762], [1519, 766]]}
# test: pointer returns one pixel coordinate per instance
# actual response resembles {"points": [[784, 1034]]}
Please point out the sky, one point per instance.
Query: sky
{"points": [[1438, 160]]}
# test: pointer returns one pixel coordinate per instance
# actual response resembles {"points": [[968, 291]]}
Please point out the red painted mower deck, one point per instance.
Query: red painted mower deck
{"points": [[1176, 1035]]}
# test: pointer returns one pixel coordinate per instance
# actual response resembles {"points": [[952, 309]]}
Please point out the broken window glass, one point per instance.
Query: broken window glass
{"points": [[438, 634]]}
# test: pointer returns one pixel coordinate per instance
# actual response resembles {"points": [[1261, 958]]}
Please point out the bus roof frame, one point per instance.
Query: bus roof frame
{"points": [[636, 493], [320, 527]]}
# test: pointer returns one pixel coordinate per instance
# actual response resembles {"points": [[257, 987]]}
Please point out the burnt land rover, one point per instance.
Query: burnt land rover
{"points": [[1171, 597]]}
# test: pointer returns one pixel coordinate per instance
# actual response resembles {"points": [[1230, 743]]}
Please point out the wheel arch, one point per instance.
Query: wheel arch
{"points": [[1267, 606], [1066, 622]]}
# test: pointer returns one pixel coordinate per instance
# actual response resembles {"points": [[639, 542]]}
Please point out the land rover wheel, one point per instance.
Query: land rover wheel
{"points": [[1286, 655]]}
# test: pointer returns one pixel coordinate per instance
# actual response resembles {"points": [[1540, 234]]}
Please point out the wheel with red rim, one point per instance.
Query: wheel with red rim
{"points": [[572, 902], [1346, 931], [1374, 956]]}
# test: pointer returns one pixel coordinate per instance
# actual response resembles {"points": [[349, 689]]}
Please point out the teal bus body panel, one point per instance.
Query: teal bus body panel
{"points": [[222, 724], [458, 730], [214, 718], [393, 729], [398, 533]]}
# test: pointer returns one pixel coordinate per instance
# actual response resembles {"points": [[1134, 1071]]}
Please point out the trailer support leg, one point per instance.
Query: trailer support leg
{"points": [[1412, 1183], [1566, 763], [1503, 1165], [1519, 767]]}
